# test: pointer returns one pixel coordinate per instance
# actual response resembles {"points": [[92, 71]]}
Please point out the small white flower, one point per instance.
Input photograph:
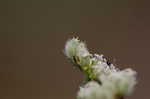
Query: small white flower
{"points": [[102, 68], [74, 48], [92, 90], [70, 47], [122, 81], [86, 91], [82, 50], [99, 68]]}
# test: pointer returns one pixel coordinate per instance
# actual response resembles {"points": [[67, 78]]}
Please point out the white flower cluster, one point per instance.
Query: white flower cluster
{"points": [[104, 80], [92, 90], [75, 47]]}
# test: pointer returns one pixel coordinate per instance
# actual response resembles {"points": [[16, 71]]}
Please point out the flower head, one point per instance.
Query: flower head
{"points": [[92, 90], [105, 81], [123, 81]]}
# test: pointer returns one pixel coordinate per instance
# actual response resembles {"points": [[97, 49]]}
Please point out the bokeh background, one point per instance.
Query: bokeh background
{"points": [[33, 34]]}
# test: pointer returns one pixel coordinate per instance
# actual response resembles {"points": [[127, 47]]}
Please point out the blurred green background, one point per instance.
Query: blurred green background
{"points": [[33, 34]]}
